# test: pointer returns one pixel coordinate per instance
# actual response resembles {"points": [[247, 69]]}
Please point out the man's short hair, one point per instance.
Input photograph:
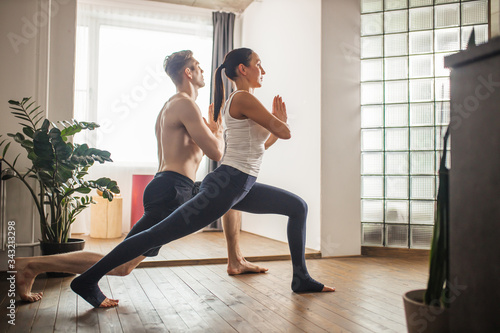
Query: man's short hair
{"points": [[175, 64]]}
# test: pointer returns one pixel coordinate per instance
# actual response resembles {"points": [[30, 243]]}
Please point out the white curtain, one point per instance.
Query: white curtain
{"points": [[120, 82]]}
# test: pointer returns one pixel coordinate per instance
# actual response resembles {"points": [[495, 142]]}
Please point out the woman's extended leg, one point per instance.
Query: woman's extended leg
{"points": [[265, 199], [219, 191]]}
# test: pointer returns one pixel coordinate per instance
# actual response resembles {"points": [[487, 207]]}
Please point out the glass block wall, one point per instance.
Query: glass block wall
{"points": [[405, 109]]}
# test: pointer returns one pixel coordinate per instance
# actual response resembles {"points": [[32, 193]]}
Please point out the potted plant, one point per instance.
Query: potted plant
{"points": [[58, 168], [427, 309]]}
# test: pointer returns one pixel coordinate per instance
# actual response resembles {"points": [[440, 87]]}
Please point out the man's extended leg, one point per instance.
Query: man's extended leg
{"points": [[73, 262], [236, 264]]}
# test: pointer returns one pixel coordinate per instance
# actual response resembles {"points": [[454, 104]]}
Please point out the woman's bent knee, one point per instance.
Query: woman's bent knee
{"points": [[298, 208]]}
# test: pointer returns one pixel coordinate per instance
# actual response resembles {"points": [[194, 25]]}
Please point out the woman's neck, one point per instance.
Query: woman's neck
{"points": [[243, 85], [250, 90]]}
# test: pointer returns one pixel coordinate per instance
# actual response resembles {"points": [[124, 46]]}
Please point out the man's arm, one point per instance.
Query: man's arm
{"points": [[210, 143]]}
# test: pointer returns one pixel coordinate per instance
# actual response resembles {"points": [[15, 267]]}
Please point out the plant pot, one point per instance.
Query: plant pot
{"points": [[49, 248], [422, 318]]}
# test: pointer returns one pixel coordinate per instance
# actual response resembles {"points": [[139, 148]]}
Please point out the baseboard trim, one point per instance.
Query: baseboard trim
{"points": [[377, 251]]}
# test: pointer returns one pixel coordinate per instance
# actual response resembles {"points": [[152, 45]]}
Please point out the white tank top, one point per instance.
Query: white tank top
{"points": [[244, 140]]}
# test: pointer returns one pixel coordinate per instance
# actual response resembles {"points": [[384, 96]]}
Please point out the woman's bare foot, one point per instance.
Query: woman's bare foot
{"points": [[91, 293], [25, 277], [328, 289], [242, 266]]}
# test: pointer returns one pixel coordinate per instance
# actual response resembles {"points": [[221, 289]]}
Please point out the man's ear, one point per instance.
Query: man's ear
{"points": [[188, 72]]}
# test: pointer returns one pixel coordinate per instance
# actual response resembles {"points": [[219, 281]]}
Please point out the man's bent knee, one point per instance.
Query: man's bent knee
{"points": [[123, 270]]}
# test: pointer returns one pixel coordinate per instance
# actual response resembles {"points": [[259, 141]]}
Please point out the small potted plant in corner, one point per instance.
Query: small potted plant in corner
{"points": [[58, 168], [427, 309]]}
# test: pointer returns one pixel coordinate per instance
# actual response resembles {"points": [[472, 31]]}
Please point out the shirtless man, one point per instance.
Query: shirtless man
{"points": [[183, 136]]}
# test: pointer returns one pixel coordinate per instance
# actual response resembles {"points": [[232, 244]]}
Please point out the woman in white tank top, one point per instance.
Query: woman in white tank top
{"points": [[249, 129]]}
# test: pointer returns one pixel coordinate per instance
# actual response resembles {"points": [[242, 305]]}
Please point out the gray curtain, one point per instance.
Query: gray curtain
{"points": [[222, 43]]}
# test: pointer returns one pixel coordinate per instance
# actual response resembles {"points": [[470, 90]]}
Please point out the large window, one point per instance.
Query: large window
{"points": [[405, 109], [120, 81]]}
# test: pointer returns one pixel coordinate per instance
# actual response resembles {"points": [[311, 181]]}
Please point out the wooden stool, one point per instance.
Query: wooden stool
{"points": [[106, 218]]}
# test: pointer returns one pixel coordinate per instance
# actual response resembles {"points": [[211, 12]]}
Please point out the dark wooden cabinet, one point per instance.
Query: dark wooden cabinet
{"points": [[475, 189]]}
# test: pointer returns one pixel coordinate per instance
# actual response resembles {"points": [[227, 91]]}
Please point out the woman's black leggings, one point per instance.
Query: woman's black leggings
{"points": [[221, 190]]}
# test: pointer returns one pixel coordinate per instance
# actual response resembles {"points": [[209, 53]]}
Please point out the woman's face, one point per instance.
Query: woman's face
{"points": [[255, 72]]}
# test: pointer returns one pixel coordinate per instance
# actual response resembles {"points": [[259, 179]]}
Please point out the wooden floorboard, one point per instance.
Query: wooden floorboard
{"points": [[204, 298]]}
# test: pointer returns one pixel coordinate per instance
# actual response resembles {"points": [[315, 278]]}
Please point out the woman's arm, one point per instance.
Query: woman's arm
{"points": [[279, 111], [245, 105], [270, 141]]}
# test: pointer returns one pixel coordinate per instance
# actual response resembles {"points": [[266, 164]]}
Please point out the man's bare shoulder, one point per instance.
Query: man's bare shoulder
{"points": [[181, 103]]}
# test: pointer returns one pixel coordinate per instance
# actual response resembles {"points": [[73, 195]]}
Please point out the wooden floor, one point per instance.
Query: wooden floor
{"points": [[204, 248], [204, 298]]}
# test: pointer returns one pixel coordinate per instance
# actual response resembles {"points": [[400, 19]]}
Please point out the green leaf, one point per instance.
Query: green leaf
{"points": [[84, 190], [27, 144], [32, 156], [22, 118], [12, 102], [115, 189], [34, 110], [63, 175], [38, 115], [36, 122], [71, 130], [42, 146], [28, 131], [19, 138], [27, 108], [15, 160], [54, 133], [45, 125], [103, 181], [111, 184], [5, 149], [20, 115]]}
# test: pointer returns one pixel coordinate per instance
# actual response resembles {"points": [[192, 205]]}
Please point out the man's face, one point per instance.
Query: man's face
{"points": [[198, 78]]}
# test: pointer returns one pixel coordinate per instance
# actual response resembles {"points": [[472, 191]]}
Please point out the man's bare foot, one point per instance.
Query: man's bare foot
{"points": [[328, 289], [109, 303], [242, 266], [25, 277]]}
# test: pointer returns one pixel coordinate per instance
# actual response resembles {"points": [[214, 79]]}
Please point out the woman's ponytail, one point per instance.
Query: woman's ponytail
{"points": [[219, 91], [231, 62]]}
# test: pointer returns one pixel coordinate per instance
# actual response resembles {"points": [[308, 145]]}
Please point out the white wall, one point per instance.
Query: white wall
{"points": [[310, 50], [287, 36], [494, 18], [37, 57], [340, 128]]}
